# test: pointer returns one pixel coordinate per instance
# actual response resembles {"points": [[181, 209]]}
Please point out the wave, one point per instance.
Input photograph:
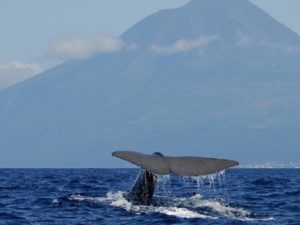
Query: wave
{"points": [[194, 207]]}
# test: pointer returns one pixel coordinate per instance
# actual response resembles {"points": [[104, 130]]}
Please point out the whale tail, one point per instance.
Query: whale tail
{"points": [[182, 166], [157, 164]]}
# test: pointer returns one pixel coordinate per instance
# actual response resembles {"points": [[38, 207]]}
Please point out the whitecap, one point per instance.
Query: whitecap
{"points": [[236, 213], [117, 199], [182, 213], [82, 198], [187, 208]]}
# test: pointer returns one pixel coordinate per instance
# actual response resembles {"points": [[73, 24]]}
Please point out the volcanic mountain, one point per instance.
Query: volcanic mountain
{"points": [[215, 78]]}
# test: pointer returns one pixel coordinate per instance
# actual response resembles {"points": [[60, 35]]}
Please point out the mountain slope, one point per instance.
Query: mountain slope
{"points": [[212, 78]]}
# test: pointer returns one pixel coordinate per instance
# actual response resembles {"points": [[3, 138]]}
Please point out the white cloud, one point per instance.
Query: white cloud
{"points": [[78, 48], [184, 45], [243, 40], [16, 71], [280, 46]]}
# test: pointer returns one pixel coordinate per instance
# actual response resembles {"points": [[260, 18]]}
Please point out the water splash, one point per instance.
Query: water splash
{"points": [[192, 207], [211, 179], [163, 183], [118, 200], [195, 206]]}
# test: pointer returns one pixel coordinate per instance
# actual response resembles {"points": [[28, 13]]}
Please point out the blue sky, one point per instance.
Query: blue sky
{"points": [[33, 32]]}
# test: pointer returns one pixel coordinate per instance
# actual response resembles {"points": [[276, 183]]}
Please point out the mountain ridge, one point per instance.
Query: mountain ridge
{"points": [[218, 87]]}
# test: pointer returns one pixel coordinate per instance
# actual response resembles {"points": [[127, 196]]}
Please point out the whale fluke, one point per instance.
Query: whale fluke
{"points": [[157, 164], [183, 166]]}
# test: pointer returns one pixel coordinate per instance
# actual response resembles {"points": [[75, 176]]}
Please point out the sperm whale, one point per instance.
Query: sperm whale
{"points": [[142, 191]]}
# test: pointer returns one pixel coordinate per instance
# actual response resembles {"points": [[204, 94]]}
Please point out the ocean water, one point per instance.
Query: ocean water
{"points": [[96, 196]]}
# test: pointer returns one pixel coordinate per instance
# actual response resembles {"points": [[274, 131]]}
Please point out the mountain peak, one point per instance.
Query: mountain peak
{"points": [[213, 3], [235, 22], [213, 75], [218, 5]]}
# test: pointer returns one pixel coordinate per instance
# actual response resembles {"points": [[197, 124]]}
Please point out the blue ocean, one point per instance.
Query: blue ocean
{"points": [[97, 196]]}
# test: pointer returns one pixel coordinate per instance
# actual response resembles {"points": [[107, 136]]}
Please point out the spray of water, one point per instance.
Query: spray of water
{"points": [[163, 183], [191, 207], [213, 180]]}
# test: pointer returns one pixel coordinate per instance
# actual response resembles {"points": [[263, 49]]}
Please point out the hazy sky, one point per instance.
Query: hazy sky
{"points": [[31, 29]]}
